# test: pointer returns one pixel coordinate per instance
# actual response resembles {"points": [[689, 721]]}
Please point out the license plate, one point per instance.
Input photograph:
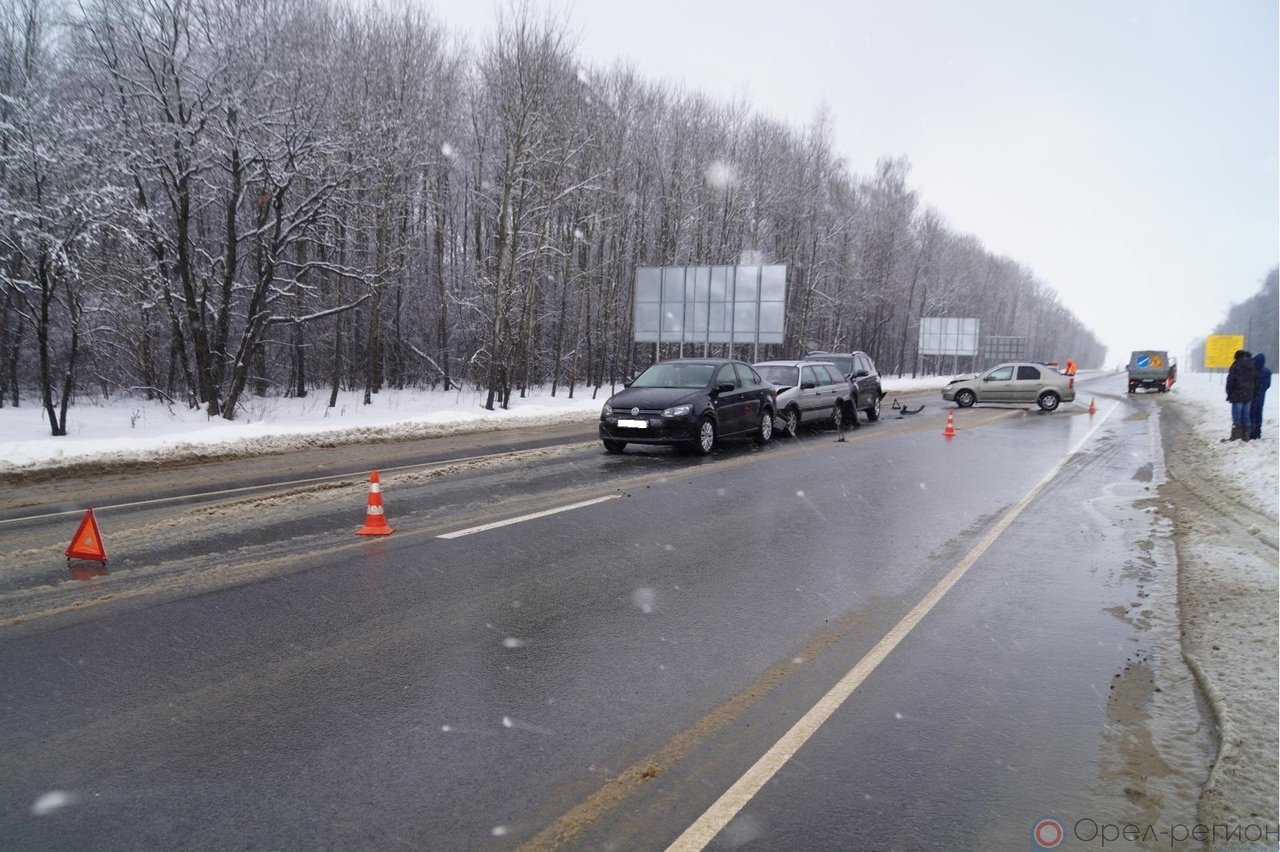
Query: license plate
{"points": [[633, 424]]}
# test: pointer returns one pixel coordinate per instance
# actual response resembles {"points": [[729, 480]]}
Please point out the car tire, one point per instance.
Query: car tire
{"points": [[873, 413], [613, 446], [706, 439], [1048, 401], [966, 398], [851, 413], [765, 430], [791, 418]]}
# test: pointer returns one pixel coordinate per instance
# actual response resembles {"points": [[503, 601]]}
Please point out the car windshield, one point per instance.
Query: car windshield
{"points": [[675, 376], [779, 375]]}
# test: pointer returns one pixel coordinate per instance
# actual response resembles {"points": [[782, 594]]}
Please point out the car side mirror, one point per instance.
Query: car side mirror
{"points": [[628, 383], [726, 387], [861, 373], [807, 386]]}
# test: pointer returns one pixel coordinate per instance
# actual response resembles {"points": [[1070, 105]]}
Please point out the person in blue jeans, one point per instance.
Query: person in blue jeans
{"points": [[1259, 396], [1242, 383]]}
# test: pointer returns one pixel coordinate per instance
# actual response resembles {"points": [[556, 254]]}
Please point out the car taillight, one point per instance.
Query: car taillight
{"points": [[1071, 383]]}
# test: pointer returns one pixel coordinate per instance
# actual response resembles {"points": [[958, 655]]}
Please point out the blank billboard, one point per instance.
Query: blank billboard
{"points": [[710, 304], [948, 336]]}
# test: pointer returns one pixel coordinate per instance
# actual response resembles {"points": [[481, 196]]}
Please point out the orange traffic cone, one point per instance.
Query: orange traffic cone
{"points": [[950, 431], [87, 542], [1093, 409], [375, 520]]}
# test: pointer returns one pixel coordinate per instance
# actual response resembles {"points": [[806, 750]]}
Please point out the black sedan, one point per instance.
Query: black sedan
{"points": [[690, 403]]}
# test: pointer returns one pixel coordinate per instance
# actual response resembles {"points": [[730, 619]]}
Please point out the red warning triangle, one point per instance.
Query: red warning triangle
{"points": [[87, 542]]}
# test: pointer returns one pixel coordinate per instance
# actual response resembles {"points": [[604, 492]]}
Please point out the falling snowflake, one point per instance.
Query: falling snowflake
{"points": [[721, 175], [52, 801], [645, 599]]}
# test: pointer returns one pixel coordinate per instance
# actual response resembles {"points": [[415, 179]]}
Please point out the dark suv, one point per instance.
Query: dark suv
{"points": [[861, 372]]}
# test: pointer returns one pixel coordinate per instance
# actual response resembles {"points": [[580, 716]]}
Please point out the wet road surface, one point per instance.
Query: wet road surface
{"points": [[251, 675]]}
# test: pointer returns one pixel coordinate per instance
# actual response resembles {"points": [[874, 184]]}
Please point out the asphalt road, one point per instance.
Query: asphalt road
{"points": [[249, 674]]}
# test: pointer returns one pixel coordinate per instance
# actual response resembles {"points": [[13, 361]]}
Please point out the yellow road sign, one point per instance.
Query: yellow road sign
{"points": [[1220, 350]]}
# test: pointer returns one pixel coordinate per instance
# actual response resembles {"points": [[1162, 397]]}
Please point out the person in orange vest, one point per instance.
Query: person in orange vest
{"points": [[1071, 367]]}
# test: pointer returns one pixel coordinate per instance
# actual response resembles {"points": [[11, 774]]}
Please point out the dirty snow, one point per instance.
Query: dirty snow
{"points": [[1229, 597]]}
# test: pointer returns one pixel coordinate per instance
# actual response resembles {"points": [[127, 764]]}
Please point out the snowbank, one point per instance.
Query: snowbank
{"points": [[133, 430]]}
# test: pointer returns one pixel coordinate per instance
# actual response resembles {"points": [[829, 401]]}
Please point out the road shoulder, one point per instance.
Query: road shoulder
{"points": [[1228, 596]]}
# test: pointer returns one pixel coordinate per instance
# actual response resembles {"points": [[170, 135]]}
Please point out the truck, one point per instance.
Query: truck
{"points": [[1151, 368]]}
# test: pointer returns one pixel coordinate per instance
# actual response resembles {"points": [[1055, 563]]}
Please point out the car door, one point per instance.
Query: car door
{"points": [[728, 400], [751, 394], [864, 379], [811, 398], [1026, 385], [997, 385], [836, 387]]}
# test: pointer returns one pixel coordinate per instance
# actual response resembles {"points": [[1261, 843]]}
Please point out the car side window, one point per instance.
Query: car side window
{"points": [[868, 364], [833, 376], [727, 376], [747, 376], [1028, 373], [1003, 374], [810, 376]]}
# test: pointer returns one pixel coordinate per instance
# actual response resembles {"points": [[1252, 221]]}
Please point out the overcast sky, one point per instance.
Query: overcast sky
{"points": [[1124, 150]]}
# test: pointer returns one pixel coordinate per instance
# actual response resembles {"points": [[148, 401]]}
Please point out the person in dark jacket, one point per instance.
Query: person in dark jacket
{"points": [[1242, 383], [1259, 396]]}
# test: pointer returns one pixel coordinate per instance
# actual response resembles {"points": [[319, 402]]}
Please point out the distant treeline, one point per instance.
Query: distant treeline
{"points": [[203, 199], [1256, 318]]}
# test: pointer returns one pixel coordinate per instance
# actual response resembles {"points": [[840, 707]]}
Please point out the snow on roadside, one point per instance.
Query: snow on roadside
{"points": [[133, 430], [1246, 471], [1229, 598], [124, 430]]}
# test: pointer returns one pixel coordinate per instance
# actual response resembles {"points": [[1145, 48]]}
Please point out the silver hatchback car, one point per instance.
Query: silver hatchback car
{"points": [[1020, 383], [809, 392]]}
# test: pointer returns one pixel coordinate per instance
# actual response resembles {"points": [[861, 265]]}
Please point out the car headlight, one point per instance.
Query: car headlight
{"points": [[607, 410], [678, 411]]}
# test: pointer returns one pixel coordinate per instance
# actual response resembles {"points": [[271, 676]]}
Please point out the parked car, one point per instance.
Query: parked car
{"points": [[690, 403], [809, 392], [1013, 383], [861, 372]]}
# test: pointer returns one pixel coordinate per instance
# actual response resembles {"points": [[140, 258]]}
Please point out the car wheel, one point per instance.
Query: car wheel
{"points": [[965, 398], [765, 431], [1048, 401], [706, 436], [614, 446], [873, 413], [851, 413], [791, 422]]}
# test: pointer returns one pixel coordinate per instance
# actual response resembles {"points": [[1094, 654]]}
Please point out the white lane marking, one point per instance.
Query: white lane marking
{"points": [[530, 517], [706, 827]]}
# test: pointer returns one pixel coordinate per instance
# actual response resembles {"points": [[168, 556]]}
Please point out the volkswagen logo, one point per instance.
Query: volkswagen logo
{"points": [[635, 411]]}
